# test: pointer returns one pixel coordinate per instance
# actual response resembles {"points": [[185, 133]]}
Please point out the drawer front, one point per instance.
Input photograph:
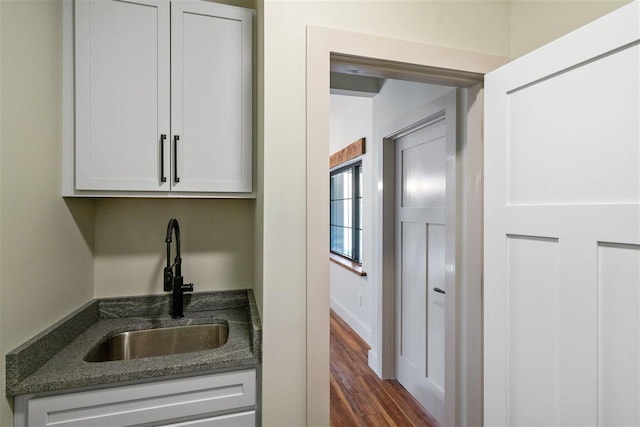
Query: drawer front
{"points": [[146, 403], [241, 419]]}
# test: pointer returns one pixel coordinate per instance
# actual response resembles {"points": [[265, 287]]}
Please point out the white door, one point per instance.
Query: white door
{"points": [[562, 231], [425, 176], [122, 95], [211, 99]]}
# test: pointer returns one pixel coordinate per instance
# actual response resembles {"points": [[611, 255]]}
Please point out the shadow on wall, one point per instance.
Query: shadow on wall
{"points": [[217, 244], [83, 212]]}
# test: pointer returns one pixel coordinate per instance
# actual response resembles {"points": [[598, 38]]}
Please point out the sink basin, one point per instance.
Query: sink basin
{"points": [[159, 342]]}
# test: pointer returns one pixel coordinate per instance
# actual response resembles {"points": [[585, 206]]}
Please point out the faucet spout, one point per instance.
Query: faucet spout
{"points": [[173, 280], [173, 227]]}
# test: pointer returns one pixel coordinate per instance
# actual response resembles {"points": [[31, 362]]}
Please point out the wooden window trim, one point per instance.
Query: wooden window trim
{"points": [[350, 265], [350, 152]]}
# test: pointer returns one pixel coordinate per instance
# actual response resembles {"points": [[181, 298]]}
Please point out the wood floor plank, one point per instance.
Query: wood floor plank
{"points": [[376, 420], [341, 414], [348, 336], [344, 374], [408, 404], [386, 404], [358, 396]]}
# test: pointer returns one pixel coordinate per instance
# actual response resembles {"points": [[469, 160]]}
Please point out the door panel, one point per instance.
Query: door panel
{"points": [[413, 291], [422, 335], [423, 169], [424, 242], [435, 366], [562, 230], [618, 333], [533, 374], [539, 149]]}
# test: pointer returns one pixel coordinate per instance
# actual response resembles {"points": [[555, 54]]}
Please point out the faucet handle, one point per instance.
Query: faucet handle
{"points": [[187, 287], [168, 279]]}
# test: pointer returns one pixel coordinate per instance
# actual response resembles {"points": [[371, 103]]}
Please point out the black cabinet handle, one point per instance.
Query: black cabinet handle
{"points": [[176, 138], [163, 178], [438, 290]]}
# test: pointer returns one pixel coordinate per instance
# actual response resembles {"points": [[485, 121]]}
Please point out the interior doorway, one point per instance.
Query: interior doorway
{"points": [[328, 49], [361, 107], [383, 270]]}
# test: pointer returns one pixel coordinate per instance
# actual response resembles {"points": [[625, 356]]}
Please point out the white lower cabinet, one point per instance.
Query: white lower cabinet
{"points": [[232, 420], [224, 399]]}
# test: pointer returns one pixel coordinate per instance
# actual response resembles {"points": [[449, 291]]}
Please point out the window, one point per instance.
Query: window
{"points": [[346, 211]]}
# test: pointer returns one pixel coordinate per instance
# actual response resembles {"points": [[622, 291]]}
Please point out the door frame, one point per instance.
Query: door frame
{"points": [[389, 58]]}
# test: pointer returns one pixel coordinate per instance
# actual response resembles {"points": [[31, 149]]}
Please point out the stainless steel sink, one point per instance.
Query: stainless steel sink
{"points": [[159, 342]]}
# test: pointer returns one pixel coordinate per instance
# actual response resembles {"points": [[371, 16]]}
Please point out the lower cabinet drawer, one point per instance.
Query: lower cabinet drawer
{"points": [[241, 419], [154, 403]]}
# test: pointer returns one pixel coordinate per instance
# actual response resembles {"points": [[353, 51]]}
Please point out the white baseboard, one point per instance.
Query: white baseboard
{"points": [[373, 362], [350, 319]]}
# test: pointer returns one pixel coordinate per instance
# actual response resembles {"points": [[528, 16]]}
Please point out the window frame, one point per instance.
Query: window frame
{"points": [[356, 223]]}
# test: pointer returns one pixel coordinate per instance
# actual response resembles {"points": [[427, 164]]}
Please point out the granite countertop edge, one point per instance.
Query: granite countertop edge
{"points": [[53, 359]]}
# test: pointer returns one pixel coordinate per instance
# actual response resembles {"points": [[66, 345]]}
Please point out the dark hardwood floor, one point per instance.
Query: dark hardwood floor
{"points": [[358, 396]]}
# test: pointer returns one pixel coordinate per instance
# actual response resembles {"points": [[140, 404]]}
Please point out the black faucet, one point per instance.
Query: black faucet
{"points": [[173, 281]]}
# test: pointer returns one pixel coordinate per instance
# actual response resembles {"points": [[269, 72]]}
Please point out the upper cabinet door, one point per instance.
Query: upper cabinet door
{"points": [[562, 231], [122, 95], [211, 104]]}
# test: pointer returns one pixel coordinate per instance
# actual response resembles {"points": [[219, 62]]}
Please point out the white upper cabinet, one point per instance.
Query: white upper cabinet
{"points": [[163, 99], [122, 94], [210, 97]]}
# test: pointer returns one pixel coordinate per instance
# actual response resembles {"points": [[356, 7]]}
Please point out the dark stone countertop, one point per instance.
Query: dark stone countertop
{"points": [[53, 360]]}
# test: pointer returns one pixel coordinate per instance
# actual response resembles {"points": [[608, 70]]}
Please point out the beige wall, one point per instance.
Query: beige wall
{"points": [[217, 244], [535, 23], [47, 266]]}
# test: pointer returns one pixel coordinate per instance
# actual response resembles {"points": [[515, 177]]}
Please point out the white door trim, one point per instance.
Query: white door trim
{"points": [[406, 60]]}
